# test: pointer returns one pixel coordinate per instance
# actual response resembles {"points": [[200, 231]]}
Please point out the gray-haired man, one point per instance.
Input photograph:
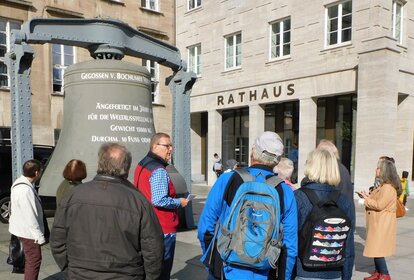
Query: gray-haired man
{"points": [[264, 155], [106, 229]]}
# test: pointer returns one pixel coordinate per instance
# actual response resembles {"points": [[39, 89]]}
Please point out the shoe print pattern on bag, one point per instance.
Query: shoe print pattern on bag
{"points": [[323, 236]]}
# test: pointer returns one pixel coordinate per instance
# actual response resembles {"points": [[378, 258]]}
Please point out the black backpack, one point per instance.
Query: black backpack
{"points": [[322, 239]]}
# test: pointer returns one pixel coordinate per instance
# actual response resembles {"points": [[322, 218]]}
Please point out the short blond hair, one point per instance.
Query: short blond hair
{"points": [[284, 168], [322, 167]]}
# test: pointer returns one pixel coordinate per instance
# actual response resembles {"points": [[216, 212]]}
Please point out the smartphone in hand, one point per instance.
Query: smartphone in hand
{"points": [[359, 194]]}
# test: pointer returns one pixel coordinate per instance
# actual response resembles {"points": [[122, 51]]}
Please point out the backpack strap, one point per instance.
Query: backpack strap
{"points": [[273, 180], [36, 194], [21, 183], [240, 175], [276, 181], [244, 174], [334, 196], [315, 200]]}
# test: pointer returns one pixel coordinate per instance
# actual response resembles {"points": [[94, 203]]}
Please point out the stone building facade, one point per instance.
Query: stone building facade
{"points": [[153, 17], [308, 70]]}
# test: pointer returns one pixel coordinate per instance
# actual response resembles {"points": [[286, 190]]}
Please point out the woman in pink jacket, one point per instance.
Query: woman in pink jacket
{"points": [[381, 221]]}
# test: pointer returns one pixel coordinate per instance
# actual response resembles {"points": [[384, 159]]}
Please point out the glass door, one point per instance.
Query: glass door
{"points": [[235, 136]]}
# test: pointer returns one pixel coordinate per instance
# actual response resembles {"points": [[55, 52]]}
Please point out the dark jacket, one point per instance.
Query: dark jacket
{"points": [[105, 229], [304, 209], [345, 185]]}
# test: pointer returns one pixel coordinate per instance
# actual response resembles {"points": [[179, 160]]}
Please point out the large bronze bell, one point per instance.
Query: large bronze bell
{"points": [[105, 101]]}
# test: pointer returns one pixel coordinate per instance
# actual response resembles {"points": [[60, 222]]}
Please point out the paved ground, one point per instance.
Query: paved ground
{"points": [[188, 267]]}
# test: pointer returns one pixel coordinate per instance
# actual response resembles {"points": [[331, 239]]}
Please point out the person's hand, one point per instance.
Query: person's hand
{"points": [[183, 202], [364, 194], [41, 241]]}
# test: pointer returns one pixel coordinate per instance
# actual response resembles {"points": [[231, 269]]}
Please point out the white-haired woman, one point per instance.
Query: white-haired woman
{"points": [[322, 177], [284, 169]]}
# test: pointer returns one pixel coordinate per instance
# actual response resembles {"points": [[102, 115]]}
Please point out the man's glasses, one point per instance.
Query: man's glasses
{"points": [[165, 145]]}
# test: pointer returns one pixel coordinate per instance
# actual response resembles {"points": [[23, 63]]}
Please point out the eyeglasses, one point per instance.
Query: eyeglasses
{"points": [[165, 145]]}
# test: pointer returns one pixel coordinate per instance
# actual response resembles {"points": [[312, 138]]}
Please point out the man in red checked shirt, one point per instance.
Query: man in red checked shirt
{"points": [[152, 179]]}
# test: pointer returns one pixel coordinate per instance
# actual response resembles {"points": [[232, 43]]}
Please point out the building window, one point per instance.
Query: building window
{"points": [[397, 20], [154, 70], [194, 56], [5, 136], [233, 51], [235, 136], [283, 118], [5, 31], [192, 4], [336, 121], [339, 23], [62, 57], [280, 38], [150, 4]]}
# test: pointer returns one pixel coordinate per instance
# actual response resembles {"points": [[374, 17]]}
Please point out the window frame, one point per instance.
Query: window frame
{"points": [[282, 42], [155, 79], [7, 35], [395, 4], [339, 29], [235, 63], [196, 66], [146, 4], [61, 66], [195, 4]]}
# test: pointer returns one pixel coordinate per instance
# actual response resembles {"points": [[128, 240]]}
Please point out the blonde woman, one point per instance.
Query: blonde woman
{"points": [[322, 177], [381, 220]]}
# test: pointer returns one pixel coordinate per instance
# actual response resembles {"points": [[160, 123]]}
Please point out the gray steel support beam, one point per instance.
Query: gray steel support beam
{"points": [[19, 62], [105, 39], [180, 85], [102, 37]]}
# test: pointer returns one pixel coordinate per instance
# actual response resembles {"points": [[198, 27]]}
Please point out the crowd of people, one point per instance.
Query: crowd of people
{"points": [[107, 228], [328, 180], [110, 228]]}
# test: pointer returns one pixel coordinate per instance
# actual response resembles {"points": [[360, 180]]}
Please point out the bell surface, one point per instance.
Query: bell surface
{"points": [[105, 101]]}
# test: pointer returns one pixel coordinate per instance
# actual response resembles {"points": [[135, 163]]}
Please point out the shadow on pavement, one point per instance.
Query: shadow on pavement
{"points": [[193, 270], [361, 231], [56, 276], [362, 263]]}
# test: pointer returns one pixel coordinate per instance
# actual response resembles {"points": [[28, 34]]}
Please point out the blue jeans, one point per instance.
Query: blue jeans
{"points": [[211, 276], [381, 265], [169, 249]]}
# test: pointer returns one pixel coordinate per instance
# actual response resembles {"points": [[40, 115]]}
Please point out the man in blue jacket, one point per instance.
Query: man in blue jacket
{"points": [[264, 155]]}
